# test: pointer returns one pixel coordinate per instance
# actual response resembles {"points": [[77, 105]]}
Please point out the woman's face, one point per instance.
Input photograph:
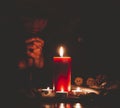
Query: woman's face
{"points": [[34, 25]]}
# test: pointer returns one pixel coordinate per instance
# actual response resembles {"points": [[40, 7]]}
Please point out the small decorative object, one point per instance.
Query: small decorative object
{"points": [[100, 78], [90, 82], [78, 81]]}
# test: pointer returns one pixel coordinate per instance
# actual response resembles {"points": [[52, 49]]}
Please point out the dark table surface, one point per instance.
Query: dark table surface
{"points": [[108, 101]]}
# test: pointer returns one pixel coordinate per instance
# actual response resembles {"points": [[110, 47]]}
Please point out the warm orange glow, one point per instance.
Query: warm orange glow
{"points": [[78, 89], [62, 105], [77, 105], [48, 88], [69, 87], [62, 90], [61, 51], [53, 86], [85, 90], [89, 90]]}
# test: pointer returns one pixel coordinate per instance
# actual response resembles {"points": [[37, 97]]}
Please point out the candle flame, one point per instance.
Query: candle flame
{"points": [[62, 90], [69, 88], [48, 88], [78, 89], [61, 51], [53, 87]]}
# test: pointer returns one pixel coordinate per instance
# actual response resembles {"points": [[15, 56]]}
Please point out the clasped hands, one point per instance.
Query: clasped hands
{"points": [[34, 53], [34, 47]]}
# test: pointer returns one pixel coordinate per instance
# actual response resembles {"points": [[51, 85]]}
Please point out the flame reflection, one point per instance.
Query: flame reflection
{"points": [[77, 105], [63, 105]]}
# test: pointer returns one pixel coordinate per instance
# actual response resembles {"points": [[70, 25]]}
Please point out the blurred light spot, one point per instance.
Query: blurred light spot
{"points": [[77, 105], [62, 105]]}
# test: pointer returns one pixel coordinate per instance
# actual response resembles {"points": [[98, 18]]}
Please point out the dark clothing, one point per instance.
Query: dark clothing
{"points": [[41, 77]]}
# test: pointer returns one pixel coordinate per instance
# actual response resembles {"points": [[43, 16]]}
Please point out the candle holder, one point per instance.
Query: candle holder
{"points": [[60, 94]]}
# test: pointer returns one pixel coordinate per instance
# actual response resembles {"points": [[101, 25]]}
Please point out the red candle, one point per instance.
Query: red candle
{"points": [[62, 73]]}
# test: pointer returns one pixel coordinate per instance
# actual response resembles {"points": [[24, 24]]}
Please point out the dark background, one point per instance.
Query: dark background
{"points": [[89, 30]]}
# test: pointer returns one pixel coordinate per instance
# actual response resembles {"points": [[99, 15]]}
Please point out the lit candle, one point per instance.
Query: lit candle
{"points": [[62, 72], [47, 92], [77, 91], [48, 89]]}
